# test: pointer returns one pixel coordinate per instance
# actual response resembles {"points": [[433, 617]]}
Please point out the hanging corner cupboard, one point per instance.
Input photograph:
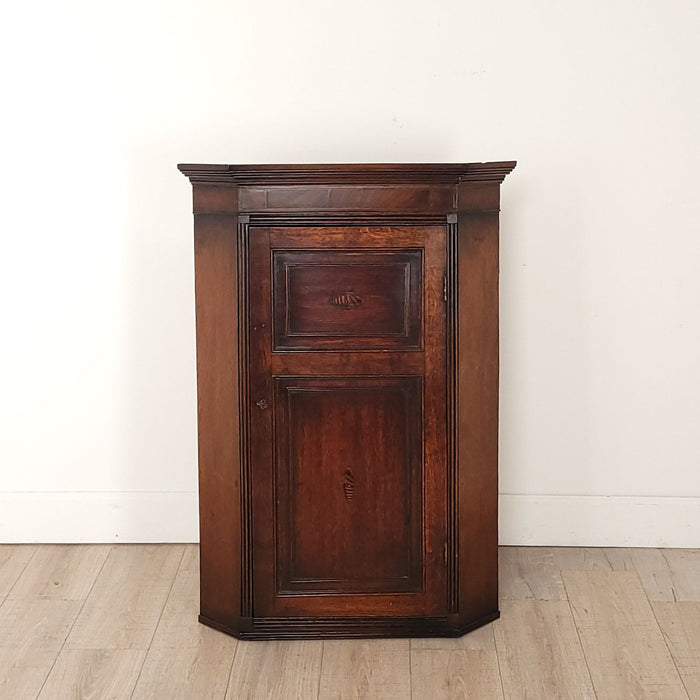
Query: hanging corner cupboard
{"points": [[347, 372]]}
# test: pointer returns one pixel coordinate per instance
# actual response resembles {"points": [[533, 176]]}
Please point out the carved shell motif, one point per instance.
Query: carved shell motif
{"points": [[348, 484], [345, 300]]}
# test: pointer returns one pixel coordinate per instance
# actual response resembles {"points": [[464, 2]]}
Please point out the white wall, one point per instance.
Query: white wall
{"points": [[600, 286]]}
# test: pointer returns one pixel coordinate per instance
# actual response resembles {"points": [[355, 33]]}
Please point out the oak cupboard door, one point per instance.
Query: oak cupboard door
{"points": [[347, 421]]}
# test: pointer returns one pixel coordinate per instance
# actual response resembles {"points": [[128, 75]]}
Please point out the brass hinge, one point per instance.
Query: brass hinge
{"points": [[444, 287]]}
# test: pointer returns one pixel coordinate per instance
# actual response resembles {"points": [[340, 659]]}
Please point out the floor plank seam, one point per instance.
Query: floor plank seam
{"points": [[498, 661], [75, 619], [320, 671], [19, 575], [665, 638], [160, 617], [578, 633], [230, 671], [605, 553], [670, 575]]}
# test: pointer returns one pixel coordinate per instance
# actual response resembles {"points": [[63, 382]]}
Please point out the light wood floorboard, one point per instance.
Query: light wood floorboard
{"points": [[651, 567], [185, 659], [104, 621], [684, 565], [529, 573], [624, 647], [668, 575], [126, 602], [194, 672], [275, 670], [65, 571], [366, 669], [40, 610], [579, 558], [93, 674], [446, 674], [539, 651], [13, 560], [680, 624], [32, 632]]}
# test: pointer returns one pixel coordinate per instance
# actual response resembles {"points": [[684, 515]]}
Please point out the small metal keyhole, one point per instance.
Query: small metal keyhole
{"points": [[262, 404]]}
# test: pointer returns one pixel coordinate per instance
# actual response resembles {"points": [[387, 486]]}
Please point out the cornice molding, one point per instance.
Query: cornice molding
{"points": [[356, 173]]}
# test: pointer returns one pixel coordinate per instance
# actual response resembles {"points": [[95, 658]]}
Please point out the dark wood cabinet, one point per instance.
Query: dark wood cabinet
{"points": [[347, 370]]}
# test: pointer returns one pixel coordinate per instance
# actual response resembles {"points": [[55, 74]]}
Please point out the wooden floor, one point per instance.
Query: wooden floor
{"points": [[100, 621]]}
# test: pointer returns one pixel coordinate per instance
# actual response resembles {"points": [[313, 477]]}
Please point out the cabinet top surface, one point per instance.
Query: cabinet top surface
{"points": [[357, 173]]}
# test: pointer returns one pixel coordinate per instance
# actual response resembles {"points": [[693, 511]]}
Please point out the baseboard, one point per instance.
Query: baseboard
{"points": [[99, 517], [599, 521], [574, 521]]}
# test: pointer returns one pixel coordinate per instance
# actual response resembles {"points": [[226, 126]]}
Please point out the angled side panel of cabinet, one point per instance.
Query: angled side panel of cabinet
{"points": [[475, 387], [217, 294]]}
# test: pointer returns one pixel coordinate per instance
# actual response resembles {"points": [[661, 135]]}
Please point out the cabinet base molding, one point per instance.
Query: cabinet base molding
{"points": [[350, 627]]}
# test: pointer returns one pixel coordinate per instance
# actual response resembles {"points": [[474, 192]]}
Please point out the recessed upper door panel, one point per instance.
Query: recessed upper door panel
{"points": [[347, 299]]}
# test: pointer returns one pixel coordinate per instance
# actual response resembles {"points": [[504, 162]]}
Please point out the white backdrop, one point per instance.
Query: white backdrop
{"points": [[600, 285]]}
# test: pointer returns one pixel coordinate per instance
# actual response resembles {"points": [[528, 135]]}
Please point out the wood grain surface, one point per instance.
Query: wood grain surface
{"points": [[366, 669], [680, 624], [62, 571], [13, 560], [539, 651], [275, 670], [127, 599], [626, 651], [93, 674], [185, 659], [604, 639], [455, 673]]}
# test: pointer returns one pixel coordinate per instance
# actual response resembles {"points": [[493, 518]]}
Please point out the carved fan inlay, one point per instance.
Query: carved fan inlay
{"points": [[347, 300]]}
